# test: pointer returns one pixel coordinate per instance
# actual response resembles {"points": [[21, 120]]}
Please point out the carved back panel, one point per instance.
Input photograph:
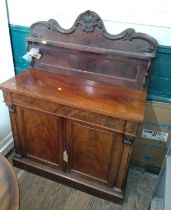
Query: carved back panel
{"points": [[89, 51]]}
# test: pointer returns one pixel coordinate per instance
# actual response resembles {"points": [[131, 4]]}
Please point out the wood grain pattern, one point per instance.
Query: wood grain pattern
{"points": [[109, 100], [16, 135], [97, 67], [69, 112], [57, 197], [123, 169], [91, 26], [92, 52], [85, 185], [91, 152], [42, 137], [131, 129], [75, 112], [7, 97], [140, 187], [9, 189]]}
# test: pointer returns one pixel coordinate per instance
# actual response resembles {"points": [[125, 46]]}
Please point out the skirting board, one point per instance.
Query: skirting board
{"points": [[6, 144]]}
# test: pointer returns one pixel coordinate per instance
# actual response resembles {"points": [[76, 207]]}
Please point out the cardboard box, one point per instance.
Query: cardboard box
{"points": [[153, 136]]}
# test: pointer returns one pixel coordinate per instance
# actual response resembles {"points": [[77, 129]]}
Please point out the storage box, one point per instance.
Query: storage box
{"points": [[153, 136]]}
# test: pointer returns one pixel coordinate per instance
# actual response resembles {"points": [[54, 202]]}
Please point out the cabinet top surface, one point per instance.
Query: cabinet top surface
{"points": [[106, 99]]}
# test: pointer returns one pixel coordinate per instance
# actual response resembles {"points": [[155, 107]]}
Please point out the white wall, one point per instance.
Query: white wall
{"points": [[148, 16], [6, 71]]}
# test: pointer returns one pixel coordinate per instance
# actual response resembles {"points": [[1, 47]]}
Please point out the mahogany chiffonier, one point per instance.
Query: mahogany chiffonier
{"points": [[75, 112]]}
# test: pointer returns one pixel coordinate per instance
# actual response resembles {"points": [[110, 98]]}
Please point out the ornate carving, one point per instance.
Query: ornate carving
{"points": [[36, 28], [128, 139], [149, 39], [123, 35], [11, 108], [88, 21]]}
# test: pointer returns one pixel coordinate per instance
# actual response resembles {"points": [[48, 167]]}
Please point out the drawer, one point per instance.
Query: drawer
{"points": [[93, 118]]}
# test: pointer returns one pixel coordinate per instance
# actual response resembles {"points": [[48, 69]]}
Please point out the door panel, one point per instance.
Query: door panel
{"points": [[42, 135], [93, 153]]}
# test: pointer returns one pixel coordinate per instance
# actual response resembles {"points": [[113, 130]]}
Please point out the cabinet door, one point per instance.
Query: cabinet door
{"points": [[94, 153], [41, 136]]}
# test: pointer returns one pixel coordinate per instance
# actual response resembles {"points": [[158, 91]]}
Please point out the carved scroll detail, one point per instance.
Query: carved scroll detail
{"points": [[88, 21], [35, 28], [147, 38]]}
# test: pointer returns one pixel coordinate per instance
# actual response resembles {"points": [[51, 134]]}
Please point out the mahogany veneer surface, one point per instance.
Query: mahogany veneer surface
{"points": [[111, 100], [75, 112]]}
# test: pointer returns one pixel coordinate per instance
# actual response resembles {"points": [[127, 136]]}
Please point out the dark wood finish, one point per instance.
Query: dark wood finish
{"points": [[111, 194], [9, 190], [42, 137], [71, 120], [93, 153], [109, 100], [69, 112], [92, 52], [48, 121], [123, 169]]}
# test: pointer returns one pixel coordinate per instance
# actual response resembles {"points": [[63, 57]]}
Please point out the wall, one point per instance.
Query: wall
{"points": [[151, 17], [6, 71]]}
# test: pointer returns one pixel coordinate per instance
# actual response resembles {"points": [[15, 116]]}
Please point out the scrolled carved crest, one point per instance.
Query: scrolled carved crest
{"points": [[87, 22]]}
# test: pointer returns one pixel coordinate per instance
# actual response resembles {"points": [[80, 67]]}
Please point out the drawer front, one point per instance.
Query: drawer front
{"points": [[92, 118]]}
